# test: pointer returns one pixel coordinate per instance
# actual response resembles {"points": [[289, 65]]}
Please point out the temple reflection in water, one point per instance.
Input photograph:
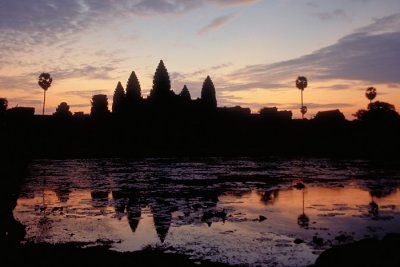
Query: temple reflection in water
{"points": [[207, 207]]}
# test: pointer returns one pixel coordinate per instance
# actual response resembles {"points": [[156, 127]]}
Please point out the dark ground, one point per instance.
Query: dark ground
{"points": [[72, 254], [366, 253], [183, 135]]}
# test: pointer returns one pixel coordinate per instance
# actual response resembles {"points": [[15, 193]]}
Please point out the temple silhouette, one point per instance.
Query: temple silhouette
{"points": [[169, 124], [161, 101]]}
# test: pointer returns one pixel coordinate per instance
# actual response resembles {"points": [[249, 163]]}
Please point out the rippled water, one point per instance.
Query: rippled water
{"points": [[240, 211]]}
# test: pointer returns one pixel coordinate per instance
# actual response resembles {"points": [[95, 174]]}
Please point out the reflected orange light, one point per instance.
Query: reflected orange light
{"points": [[318, 200]]}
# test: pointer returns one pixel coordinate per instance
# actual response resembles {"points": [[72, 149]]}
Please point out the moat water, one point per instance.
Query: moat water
{"points": [[265, 211]]}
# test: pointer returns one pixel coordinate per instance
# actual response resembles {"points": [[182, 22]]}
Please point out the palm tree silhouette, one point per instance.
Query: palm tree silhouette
{"points": [[301, 84], [303, 111], [45, 81], [373, 208], [302, 219], [370, 93]]}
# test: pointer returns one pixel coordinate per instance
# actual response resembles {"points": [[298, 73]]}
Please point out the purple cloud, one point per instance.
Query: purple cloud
{"points": [[216, 24], [370, 54], [329, 15]]}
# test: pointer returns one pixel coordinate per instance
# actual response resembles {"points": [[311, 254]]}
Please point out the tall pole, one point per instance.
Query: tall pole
{"points": [[302, 114], [44, 100]]}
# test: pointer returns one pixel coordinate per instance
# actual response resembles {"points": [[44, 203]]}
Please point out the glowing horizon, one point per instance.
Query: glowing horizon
{"points": [[253, 51]]}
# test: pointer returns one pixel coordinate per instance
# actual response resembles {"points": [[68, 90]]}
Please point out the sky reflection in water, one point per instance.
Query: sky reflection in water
{"points": [[211, 209]]}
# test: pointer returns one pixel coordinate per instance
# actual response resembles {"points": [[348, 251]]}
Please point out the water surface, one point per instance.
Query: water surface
{"points": [[239, 211]]}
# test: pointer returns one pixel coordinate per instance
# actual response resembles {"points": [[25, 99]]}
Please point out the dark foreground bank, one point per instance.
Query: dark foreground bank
{"points": [[76, 254], [202, 135], [366, 253]]}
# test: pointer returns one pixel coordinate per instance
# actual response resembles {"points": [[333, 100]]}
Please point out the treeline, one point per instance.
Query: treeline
{"points": [[219, 133]]}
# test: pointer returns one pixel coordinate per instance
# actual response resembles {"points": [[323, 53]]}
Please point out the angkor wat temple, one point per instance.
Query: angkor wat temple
{"points": [[162, 100]]}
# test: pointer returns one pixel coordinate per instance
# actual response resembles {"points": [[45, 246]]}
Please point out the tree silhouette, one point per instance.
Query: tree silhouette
{"points": [[99, 106], [370, 93], [301, 84], [3, 105], [185, 94], [161, 83], [44, 82], [378, 112], [133, 90], [373, 209], [118, 105], [302, 219], [360, 114], [208, 93], [63, 110], [381, 106], [303, 110]]}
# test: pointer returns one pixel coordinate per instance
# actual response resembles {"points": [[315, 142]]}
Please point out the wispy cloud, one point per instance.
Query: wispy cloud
{"points": [[208, 71], [27, 82], [23, 82], [233, 2], [312, 4], [25, 101], [43, 17], [335, 87], [194, 80], [52, 26], [370, 54], [253, 86], [329, 15], [216, 24], [85, 94], [82, 105], [317, 105], [87, 71]]}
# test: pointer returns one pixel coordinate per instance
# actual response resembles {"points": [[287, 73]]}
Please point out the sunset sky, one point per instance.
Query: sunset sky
{"points": [[253, 50]]}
